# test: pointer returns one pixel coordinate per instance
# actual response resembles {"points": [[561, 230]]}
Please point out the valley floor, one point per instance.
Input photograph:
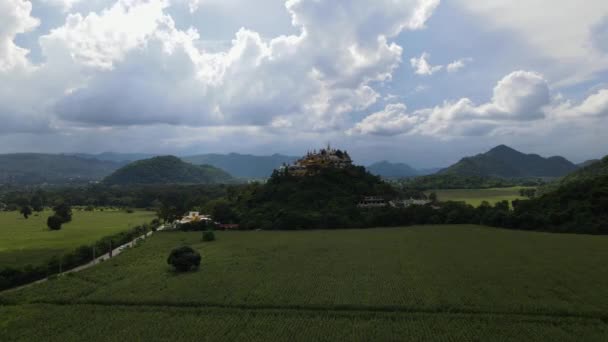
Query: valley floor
{"points": [[418, 283], [475, 197]]}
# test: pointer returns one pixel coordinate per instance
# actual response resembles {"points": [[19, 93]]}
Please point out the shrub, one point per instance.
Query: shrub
{"points": [[54, 222], [26, 211], [208, 236], [184, 259]]}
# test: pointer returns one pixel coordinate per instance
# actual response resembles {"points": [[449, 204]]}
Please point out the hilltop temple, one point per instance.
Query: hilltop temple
{"points": [[316, 161]]}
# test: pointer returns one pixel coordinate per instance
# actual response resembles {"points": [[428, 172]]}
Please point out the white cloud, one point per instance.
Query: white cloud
{"points": [[519, 96], [154, 73], [15, 18], [100, 40], [458, 64], [422, 67], [593, 107], [393, 120]]}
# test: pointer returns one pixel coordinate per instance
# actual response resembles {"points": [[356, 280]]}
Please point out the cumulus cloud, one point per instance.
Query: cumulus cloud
{"points": [[153, 72], [15, 18], [422, 67], [594, 106], [100, 40], [519, 96], [393, 120]]}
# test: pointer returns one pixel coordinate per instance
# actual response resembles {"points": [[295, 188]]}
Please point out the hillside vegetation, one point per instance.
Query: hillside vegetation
{"points": [[33, 168], [166, 170], [326, 200], [503, 161], [579, 205]]}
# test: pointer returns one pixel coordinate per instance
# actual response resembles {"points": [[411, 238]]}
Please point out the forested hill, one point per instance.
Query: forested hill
{"points": [[243, 165], [594, 169], [503, 161], [167, 170], [387, 169], [326, 200], [56, 169]]}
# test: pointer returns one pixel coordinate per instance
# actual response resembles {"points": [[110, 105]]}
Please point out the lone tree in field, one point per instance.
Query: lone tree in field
{"points": [[208, 236], [184, 259], [54, 222], [64, 212], [26, 211]]}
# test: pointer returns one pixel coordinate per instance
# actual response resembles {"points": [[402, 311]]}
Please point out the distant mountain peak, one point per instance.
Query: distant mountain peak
{"points": [[387, 169], [504, 161], [503, 149]]}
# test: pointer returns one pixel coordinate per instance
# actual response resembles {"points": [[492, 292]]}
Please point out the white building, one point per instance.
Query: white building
{"points": [[194, 216]]}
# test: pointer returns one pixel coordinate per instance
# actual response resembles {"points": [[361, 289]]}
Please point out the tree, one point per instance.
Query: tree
{"points": [[37, 203], [26, 211], [54, 222], [208, 236], [64, 212], [433, 197], [184, 259], [222, 211]]}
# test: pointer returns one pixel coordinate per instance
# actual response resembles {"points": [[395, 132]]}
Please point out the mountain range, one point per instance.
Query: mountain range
{"points": [[503, 161], [36, 169], [390, 170]]}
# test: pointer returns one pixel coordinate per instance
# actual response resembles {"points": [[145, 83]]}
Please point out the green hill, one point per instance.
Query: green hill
{"points": [[578, 205], [243, 165], [592, 169], [386, 169], [167, 170], [326, 200], [503, 161], [56, 169]]}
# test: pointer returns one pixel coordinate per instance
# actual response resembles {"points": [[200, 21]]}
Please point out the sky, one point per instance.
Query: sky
{"points": [[424, 82]]}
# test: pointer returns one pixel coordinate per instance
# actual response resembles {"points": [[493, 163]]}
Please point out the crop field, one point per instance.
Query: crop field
{"points": [[29, 242], [418, 283], [474, 197]]}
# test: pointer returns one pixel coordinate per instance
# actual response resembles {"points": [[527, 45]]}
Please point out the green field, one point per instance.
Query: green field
{"points": [[474, 197], [418, 283], [29, 242]]}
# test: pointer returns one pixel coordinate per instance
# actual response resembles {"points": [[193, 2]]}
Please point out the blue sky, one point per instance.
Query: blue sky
{"points": [[418, 81]]}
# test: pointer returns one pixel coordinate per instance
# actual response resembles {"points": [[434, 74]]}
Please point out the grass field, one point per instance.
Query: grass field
{"points": [[24, 242], [474, 197], [418, 283]]}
